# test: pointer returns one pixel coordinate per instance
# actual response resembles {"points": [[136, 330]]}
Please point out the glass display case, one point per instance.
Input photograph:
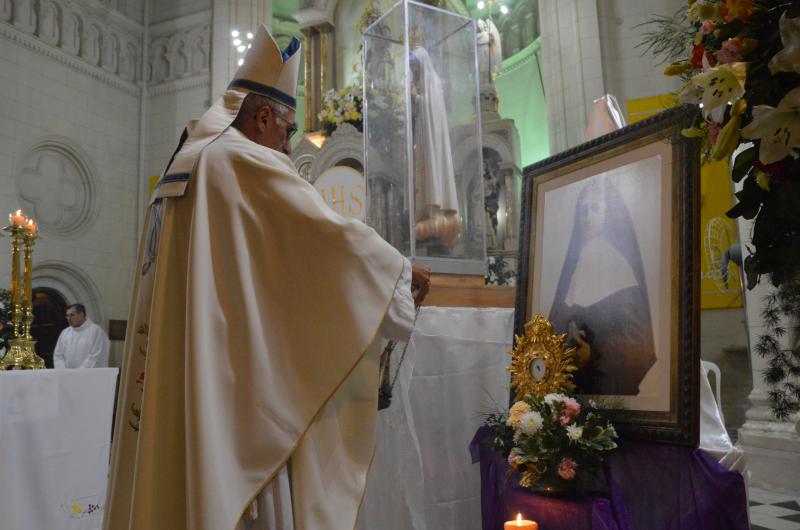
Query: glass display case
{"points": [[422, 135]]}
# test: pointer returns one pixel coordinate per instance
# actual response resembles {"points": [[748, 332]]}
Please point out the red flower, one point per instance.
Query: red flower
{"points": [[698, 52], [713, 132], [782, 171]]}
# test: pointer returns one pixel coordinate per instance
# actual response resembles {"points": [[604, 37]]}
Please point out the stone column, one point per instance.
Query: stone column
{"points": [[772, 446], [572, 67], [319, 45]]}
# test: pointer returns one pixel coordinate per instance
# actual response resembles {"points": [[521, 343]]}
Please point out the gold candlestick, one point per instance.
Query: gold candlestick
{"points": [[21, 354], [14, 276], [28, 238]]}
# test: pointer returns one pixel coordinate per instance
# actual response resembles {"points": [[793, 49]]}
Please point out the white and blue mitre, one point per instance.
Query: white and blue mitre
{"points": [[270, 71], [266, 70]]}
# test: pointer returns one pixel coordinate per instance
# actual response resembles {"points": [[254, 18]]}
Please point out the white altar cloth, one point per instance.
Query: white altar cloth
{"points": [[55, 434], [455, 370]]}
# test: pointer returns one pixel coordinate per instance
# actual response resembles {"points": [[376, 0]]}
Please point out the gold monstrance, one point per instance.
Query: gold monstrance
{"points": [[541, 362], [21, 353]]}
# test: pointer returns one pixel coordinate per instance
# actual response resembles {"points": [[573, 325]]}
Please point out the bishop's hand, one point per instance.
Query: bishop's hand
{"points": [[420, 283]]}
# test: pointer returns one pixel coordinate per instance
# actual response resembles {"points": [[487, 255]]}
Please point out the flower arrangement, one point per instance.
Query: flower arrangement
{"points": [[740, 60], [343, 106], [554, 442]]}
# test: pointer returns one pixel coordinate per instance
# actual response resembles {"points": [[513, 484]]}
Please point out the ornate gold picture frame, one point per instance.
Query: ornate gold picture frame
{"points": [[609, 253]]}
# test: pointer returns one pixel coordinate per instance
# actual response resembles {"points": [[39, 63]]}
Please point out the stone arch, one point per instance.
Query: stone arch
{"points": [[5, 10], [50, 22], [23, 13], [110, 52], [57, 184], [92, 43], [73, 283], [49, 309], [128, 63], [71, 33]]}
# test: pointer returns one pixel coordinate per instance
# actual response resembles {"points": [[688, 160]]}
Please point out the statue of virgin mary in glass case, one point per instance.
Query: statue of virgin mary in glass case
{"points": [[422, 137]]}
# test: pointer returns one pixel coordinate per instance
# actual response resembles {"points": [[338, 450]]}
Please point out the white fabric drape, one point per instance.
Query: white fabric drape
{"points": [[422, 476], [55, 434], [714, 438]]}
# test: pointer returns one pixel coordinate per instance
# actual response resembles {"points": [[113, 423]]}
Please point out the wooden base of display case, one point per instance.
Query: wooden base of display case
{"points": [[461, 290]]}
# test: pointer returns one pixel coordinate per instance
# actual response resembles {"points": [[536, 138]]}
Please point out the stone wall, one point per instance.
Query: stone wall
{"points": [[69, 144], [72, 152]]}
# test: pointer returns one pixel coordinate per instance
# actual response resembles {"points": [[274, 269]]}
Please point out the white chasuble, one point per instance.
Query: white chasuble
{"points": [[255, 307]]}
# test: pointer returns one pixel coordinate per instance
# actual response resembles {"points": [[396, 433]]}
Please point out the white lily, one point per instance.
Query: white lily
{"points": [[721, 85], [788, 59], [778, 128]]}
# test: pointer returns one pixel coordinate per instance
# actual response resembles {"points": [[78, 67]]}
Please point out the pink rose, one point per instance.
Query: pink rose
{"points": [[512, 459], [571, 410], [730, 52], [566, 468]]}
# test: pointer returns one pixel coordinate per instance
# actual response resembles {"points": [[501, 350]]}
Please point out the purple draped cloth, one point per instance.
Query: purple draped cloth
{"points": [[651, 487]]}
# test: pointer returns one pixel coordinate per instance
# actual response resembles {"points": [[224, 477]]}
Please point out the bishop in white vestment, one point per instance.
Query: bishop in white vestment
{"points": [[248, 396]]}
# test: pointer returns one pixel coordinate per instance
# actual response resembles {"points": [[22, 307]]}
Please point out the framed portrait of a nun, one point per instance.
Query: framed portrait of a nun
{"points": [[609, 253]]}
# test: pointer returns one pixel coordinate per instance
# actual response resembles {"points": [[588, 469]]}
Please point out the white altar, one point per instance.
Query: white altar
{"points": [[55, 434]]}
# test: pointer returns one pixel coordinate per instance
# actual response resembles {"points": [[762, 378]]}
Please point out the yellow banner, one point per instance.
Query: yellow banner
{"points": [[720, 286]]}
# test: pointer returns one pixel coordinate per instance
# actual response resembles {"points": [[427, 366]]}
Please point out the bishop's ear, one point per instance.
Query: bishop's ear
{"points": [[263, 115]]}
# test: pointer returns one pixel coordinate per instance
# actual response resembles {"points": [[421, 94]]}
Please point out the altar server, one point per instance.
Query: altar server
{"points": [[250, 363], [83, 344]]}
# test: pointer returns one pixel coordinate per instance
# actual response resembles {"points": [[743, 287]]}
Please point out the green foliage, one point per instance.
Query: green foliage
{"points": [[665, 37], [783, 363], [498, 272]]}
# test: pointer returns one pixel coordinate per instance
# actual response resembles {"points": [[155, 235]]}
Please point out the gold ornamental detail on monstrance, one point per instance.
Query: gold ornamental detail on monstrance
{"points": [[21, 354], [540, 362]]}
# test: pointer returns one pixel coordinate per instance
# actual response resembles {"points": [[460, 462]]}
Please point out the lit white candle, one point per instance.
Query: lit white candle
{"points": [[521, 524], [30, 226], [16, 218]]}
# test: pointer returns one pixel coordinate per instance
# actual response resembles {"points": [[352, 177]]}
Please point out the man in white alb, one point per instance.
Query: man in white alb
{"points": [[83, 344]]}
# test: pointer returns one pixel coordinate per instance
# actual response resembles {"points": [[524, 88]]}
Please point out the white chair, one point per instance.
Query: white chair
{"points": [[708, 366]]}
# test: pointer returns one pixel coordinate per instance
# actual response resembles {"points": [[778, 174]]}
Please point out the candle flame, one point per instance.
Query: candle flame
{"points": [[519, 519]]}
